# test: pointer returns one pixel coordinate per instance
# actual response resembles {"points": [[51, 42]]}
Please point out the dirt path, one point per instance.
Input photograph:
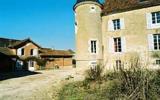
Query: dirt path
{"points": [[42, 86]]}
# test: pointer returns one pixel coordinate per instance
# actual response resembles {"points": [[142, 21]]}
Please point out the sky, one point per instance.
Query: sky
{"points": [[50, 23]]}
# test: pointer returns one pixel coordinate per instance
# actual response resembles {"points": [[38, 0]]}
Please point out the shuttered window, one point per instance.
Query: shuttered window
{"points": [[31, 52], [156, 41], [117, 44], [22, 51], [118, 64], [116, 24]]}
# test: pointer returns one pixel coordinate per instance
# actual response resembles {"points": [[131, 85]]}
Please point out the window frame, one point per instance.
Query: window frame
{"points": [[156, 41], [22, 51], [93, 46], [93, 64], [157, 62], [117, 44], [118, 64], [155, 17], [32, 52], [116, 24], [31, 63]]}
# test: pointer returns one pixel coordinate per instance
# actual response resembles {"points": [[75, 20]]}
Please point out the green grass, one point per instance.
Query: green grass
{"points": [[113, 87]]}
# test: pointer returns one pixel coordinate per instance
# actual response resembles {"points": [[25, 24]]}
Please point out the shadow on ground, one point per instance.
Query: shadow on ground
{"points": [[10, 75]]}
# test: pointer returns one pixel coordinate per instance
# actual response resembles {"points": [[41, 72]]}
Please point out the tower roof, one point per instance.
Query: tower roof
{"points": [[84, 1], [79, 1]]}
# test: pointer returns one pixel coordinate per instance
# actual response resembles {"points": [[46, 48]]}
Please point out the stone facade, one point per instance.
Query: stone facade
{"points": [[88, 23], [135, 33], [27, 55]]}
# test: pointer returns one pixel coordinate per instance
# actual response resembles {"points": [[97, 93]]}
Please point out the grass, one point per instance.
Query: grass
{"points": [[133, 83], [112, 88]]}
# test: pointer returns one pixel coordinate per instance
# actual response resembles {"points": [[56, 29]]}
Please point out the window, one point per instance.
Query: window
{"points": [[117, 45], [93, 46], [118, 64], [93, 64], [155, 17], [157, 62], [93, 9], [31, 63], [31, 52], [156, 41], [116, 24], [22, 51]]}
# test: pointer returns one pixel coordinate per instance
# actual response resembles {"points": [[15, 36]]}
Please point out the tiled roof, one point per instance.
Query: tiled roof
{"points": [[5, 42], [7, 51], [50, 52], [22, 43], [115, 6]]}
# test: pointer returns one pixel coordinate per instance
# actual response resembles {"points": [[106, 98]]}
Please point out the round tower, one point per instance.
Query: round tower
{"points": [[88, 30]]}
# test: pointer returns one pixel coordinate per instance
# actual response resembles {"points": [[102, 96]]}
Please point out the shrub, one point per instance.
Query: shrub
{"points": [[95, 74], [133, 83]]}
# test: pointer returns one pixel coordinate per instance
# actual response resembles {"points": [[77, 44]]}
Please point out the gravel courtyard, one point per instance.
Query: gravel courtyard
{"points": [[42, 86]]}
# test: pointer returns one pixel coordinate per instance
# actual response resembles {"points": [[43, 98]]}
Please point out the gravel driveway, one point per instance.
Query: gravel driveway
{"points": [[43, 86]]}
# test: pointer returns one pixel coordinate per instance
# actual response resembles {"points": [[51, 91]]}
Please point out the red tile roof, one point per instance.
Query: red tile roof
{"points": [[49, 52], [22, 43], [115, 6]]}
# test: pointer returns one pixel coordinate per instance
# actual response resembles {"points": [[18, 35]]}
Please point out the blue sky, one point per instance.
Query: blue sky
{"points": [[50, 23]]}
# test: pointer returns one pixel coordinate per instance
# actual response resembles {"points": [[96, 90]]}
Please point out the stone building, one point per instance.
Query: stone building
{"points": [[25, 54], [108, 33]]}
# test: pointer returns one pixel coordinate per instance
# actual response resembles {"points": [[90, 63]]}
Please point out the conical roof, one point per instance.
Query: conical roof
{"points": [[81, 1]]}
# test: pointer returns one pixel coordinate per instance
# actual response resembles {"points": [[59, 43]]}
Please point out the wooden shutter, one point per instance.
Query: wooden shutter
{"points": [[149, 20], [111, 45], [35, 52], [123, 43], [122, 24], [110, 25], [89, 46], [150, 42], [19, 51]]}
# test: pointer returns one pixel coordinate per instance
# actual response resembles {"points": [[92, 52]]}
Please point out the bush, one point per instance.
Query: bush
{"points": [[94, 74], [133, 83]]}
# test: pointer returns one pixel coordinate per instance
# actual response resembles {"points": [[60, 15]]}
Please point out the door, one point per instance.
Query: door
{"points": [[31, 65]]}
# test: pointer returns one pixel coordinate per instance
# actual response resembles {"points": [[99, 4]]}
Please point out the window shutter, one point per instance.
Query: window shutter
{"points": [[111, 45], [110, 26], [123, 43], [122, 24], [150, 42], [97, 46], [149, 20], [35, 52], [89, 46], [19, 51]]}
